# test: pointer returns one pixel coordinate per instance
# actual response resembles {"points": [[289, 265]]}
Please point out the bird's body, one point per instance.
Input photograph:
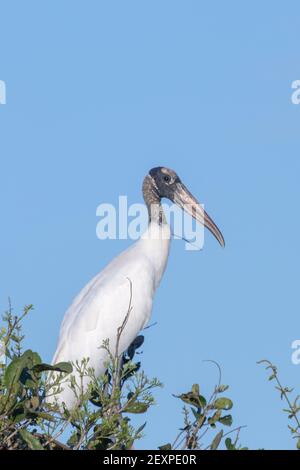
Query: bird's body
{"points": [[127, 284], [101, 307]]}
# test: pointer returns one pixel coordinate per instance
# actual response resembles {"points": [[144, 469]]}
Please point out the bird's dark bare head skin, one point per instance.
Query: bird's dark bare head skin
{"points": [[165, 181], [162, 182]]}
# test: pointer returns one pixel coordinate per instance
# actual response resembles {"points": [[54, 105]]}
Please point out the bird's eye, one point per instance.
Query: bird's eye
{"points": [[167, 179]]}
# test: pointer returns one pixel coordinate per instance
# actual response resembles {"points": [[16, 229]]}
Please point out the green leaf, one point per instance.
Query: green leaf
{"points": [[43, 415], [202, 401], [19, 366], [100, 444], [226, 420], [221, 388], [30, 358], [32, 442], [196, 390], [165, 447], [193, 399], [215, 417], [140, 429], [59, 367], [228, 444], [73, 439], [216, 442], [14, 338], [223, 404], [137, 407], [12, 373], [298, 444]]}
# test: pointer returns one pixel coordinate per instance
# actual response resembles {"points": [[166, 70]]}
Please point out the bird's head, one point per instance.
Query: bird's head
{"points": [[162, 182]]}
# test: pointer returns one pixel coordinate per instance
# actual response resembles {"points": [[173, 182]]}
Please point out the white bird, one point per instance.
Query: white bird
{"points": [[100, 308]]}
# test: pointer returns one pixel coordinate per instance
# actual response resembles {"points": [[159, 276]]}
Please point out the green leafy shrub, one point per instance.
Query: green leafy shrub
{"points": [[102, 419]]}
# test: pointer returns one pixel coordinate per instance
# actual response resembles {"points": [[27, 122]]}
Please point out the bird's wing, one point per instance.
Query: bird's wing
{"points": [[100, 309]]}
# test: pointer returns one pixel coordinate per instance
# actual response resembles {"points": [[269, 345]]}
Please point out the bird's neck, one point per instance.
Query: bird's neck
{"points": [[153, 203], [156, 243], [156, 214], [156, 239]]}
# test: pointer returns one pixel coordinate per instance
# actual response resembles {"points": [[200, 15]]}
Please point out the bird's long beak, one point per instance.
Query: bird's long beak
{"points": [[184, 199]]}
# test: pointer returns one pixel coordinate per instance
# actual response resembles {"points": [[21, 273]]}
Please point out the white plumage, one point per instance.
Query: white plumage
{"points": [[100, 308]]}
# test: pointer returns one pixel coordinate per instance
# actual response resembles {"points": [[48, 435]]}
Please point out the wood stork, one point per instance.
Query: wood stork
{"points": [[99, 309]]}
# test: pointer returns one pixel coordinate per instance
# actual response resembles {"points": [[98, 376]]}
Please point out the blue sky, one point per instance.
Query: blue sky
{"points": [[97, 94]]}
